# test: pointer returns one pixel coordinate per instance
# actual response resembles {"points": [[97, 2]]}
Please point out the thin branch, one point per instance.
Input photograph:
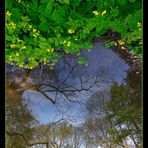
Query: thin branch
{"points": [[68, 75], [44, 94]]}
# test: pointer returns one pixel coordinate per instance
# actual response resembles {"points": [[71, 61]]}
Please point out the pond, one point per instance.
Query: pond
{"points": [[65, 107]]}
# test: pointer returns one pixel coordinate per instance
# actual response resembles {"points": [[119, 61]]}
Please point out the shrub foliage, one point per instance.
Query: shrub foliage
{"points": [[41, 31]]}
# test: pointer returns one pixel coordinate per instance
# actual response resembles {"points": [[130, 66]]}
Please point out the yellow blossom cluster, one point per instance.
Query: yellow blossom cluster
{"points": [[35, 32], [8, 14], [121, 43], [13, 45], [97, 13], [51, 50], [68, 43], [71, 31], [24, 47], [139, 26], [18, 1], [104, 12], [17, 54], [12, 25]]}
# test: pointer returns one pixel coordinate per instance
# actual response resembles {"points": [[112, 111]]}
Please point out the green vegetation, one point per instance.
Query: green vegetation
{"points": [[41, 31]]}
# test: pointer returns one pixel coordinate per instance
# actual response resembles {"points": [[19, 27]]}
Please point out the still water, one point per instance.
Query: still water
{"points": [[62, 107]]}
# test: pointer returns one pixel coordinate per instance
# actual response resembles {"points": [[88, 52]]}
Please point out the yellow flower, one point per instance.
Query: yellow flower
{"points": [[24, 47], [104, 12], [96, 12], [65, 41], [30, 26], [36, 34], [18, 1], [13, 45], [50, 50], [13, 25], [71, 31], [138, 24], [122, 47], [120, 42], [68, 43], [139, 29], [115, 44], [8, 13], [34, 30], [17, 54], [19, 41]]}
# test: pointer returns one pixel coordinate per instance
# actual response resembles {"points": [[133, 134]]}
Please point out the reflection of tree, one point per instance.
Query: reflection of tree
{"points": [[56, 134], [133, 79], [114, 118], [97, 124], [60, 134], [20, 123], [126, 113]]}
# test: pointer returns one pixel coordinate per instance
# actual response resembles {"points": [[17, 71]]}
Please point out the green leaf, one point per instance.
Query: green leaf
{"points": [[122, 2], [138, 15], [115, 12], [44, 1], [64, 1], [132, 24], [61, 11], [43, 26], [132, 1], [16, 14], [8, 4], [57, 17], [35, 4], [111, 2], [50, 5], [8, 38], [75, 3]]}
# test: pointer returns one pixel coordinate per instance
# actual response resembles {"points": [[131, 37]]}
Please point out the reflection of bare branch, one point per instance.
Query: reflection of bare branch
{"points": [[54, 123], [68, 75], [72, 100], [64, 87], [64, 90], [44, 94]]}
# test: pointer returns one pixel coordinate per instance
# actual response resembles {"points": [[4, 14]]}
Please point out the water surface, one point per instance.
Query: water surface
{"points": [[62, 94]]}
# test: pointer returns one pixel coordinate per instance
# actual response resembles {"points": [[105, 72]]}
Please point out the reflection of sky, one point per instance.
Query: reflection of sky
{"points": [[100, 60]]}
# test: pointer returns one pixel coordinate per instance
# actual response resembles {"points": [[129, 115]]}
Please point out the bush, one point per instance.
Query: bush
{"points": [[41, 31]]}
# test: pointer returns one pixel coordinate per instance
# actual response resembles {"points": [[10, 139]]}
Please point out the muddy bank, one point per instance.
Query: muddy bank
{"points": [[130, 58]]}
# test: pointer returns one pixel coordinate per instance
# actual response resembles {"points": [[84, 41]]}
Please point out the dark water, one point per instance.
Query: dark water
{"points": [[63, 96]]}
